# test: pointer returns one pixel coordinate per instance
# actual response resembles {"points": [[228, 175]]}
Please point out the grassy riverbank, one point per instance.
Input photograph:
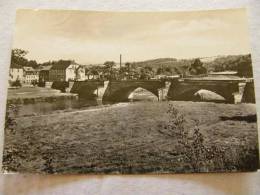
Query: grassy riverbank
{"points": [[124, 138], [36, 94]]}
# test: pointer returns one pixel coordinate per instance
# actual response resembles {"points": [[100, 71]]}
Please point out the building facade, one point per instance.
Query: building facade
{"points": [[80, 74], [92, 75], [31, 75], [44, 74], [66, 72], [15, 73]]}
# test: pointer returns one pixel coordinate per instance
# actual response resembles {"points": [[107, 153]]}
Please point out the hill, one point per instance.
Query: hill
{"points": [[240, 63]]}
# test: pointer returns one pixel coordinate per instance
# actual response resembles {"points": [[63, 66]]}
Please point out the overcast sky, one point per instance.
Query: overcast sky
{"points": [[95, 37]]}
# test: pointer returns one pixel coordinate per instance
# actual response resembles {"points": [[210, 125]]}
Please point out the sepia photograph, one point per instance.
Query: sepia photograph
{"points": [[95, 92]]}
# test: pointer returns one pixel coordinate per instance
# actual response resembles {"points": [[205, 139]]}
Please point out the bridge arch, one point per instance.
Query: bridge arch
{"points": [[86, 89], [204, 95], [141, 93], [119, 91], [122, 94], [87, 92], [185, 91]]}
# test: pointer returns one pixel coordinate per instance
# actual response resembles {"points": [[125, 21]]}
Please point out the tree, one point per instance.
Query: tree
{"points": [[244, 66], [149, 71], [146, 73], [109, 69], [128, 66], [159, 71], [168, 69], [128, 69], [18, 57], [32, 63], [197, 68], [109, 64], [16, 83]]}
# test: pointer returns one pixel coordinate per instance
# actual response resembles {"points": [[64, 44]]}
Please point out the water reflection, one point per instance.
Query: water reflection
{"points": [[41, 108], [67, 105]]}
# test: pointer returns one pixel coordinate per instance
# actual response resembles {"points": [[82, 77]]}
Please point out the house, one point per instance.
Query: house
{"points": [[44, 74], [80, 73], [92, 75], [31, 75], [63, 72], [15, 73]]}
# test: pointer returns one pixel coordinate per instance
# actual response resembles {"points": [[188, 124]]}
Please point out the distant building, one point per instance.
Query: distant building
{"points": [[63, 72], [44, 74], [80, 73], [15, 73], [31, 75], [92, 75]]}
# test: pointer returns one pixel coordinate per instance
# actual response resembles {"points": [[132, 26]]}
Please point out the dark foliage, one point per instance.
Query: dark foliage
{"points": [[201, 156], [16, 83], [249, 118], [240, 63], [19, 57], [197, 68]]}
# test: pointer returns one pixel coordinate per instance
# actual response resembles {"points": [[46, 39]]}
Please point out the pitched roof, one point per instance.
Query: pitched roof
{"points": [[28, 68], [46, 67], [16, 66], [60, 66]]}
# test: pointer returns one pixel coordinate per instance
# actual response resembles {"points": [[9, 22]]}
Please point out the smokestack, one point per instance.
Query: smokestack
{"points": [[120, 60]]}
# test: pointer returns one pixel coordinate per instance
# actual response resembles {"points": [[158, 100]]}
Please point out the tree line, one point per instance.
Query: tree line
{"points": [[151, 68]]}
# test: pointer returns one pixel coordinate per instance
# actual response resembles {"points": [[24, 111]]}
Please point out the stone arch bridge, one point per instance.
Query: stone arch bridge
{"points": [[177, 89], [184, 89], [116, 91]]}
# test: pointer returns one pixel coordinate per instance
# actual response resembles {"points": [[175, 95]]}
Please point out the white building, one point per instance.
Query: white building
{"points": [[67, 72], [80, 73], [15, 73], [31, 75]]}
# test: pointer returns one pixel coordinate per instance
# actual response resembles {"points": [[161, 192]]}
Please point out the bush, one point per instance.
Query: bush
{"points": [[203, 157], [34, 82], [10, 123], [16, 83]]}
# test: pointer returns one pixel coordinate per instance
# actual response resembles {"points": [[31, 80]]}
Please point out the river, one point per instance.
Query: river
{"points": [[70, 105], [59, 105]]}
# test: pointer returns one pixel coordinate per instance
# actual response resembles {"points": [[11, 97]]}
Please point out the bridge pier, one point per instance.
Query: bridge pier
{"points": [[68, 89], [101, 91], [248, 95], [163, 92], [239, 94]]}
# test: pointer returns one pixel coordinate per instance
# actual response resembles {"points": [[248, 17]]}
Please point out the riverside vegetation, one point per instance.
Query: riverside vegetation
{"points": [[162, 137], [201, 156]]}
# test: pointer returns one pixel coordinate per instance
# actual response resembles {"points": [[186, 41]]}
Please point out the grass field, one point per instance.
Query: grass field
{"points": [[123, 138]]}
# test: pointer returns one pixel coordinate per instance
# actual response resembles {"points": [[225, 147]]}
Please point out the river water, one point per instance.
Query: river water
{"points": [[69, 105]]}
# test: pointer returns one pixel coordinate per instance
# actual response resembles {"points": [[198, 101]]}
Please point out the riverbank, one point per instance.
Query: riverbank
{"points": [[126, 138], [27, 95]]}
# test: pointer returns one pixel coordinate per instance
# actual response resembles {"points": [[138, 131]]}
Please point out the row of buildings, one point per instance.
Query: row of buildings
{"points": [[57, 72]]}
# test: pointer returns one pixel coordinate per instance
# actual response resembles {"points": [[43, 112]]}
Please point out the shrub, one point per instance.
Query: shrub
{"points": [[204, 157], [9, 117], [16, 83], [34, 82], [10, 152]]}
